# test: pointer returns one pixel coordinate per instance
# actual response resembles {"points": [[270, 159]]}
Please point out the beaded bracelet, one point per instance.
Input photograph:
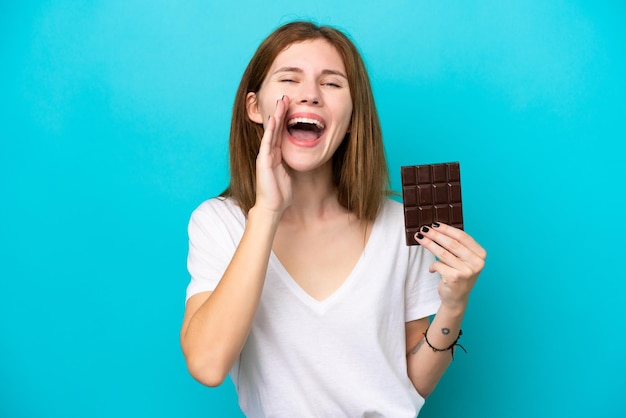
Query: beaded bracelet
{"points": [[450, 348]]}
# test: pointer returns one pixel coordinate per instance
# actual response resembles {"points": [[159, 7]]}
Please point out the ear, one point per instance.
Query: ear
{"points": [[252, 106]]}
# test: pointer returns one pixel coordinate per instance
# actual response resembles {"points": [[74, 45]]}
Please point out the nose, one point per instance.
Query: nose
{"points": [[309, 94], [310, 99]]}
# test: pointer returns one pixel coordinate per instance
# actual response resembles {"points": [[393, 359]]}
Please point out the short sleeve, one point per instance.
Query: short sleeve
{"points": [[422, 297], [214, 233]]}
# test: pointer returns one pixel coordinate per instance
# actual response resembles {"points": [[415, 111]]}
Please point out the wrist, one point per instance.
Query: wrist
{"points": [[261, 214], [452, 310], [449, 348]]}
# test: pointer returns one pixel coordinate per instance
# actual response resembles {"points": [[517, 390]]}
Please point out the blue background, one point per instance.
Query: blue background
{"points": [[114, 121]]}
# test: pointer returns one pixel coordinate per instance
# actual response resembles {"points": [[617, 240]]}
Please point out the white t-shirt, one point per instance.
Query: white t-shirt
{"points": [[344, 356]]}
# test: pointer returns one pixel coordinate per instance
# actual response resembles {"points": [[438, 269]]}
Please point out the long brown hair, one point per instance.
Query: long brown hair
{"points": [[359, 165]]}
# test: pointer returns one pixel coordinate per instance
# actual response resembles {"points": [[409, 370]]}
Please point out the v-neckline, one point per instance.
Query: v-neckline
{"points": [[322, 305]]}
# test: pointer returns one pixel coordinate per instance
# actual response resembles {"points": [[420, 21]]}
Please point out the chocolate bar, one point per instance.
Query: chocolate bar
{"points": [[431, 193]]}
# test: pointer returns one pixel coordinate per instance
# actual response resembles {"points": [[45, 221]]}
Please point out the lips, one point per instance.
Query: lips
{"points": [[305, 129]]}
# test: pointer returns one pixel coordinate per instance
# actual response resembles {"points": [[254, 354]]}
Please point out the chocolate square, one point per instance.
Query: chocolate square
{"points": [[431, 193]]}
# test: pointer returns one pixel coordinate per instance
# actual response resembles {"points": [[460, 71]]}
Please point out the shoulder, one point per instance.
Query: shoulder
{"points": [[218, 206], [217, 211], [389, 223], [391, 211]]}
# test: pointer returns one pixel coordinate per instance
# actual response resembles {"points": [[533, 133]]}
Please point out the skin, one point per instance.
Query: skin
{"points": [[297, 216], [460, 261], [320, 90], [317, 241]]}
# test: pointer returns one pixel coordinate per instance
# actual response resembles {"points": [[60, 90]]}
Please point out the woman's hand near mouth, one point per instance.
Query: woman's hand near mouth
{"points": [[273, 189]]}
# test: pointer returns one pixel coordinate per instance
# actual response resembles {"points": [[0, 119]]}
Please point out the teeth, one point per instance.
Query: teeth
{"points": [[315, 122]]}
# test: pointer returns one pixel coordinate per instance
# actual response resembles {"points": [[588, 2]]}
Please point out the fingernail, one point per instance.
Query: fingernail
{"points": [[419, 236], [435, 224], [282, 98], [269, 117], [425, 229]]}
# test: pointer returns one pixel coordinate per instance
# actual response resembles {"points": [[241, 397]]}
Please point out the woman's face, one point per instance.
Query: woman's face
{"points": [[312, 74]]}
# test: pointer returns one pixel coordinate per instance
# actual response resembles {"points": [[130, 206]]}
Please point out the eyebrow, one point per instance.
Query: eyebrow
{"points": [[300, 70]]}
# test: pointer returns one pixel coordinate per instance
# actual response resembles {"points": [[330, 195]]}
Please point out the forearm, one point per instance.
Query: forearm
{"points": [[216, 332], [425, 365]]}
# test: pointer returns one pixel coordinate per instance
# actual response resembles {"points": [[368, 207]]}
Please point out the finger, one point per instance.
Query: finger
{"points": [[448, 243], [268, 135], [271, 135], [445, 271], [282, 105], [450, 251], [452, 274], [440, 251], [460, 236]]}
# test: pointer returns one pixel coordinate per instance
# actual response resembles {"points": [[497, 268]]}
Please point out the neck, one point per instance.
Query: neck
{"points": [[314, 198]]}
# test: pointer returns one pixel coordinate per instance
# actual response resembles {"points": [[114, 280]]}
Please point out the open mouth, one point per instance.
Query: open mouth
{"points": [[305, 129]]}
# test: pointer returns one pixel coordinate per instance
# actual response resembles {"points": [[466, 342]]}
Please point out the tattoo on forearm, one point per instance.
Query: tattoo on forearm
{"points": [[445, 331], [417, 347]]}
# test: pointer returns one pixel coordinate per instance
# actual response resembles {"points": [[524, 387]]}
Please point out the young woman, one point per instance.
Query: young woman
{"points": [[302, 287]]}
